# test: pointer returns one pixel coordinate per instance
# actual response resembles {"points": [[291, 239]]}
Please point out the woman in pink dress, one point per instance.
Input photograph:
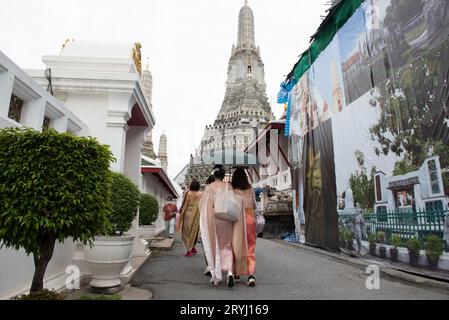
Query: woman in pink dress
{"points": [[216, 234]]}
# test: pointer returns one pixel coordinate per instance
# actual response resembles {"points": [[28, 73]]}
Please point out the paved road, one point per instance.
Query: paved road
{"points": [[283, 272]]}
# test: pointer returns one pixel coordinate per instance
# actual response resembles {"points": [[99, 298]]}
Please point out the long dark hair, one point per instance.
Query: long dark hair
{"points": [[219, 172], [210, 180], [195, 185], [240, 180]]}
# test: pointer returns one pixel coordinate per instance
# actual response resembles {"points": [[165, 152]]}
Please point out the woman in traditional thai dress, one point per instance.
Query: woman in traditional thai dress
{"points": [[189, 221], [216, 234], [245, 261]]}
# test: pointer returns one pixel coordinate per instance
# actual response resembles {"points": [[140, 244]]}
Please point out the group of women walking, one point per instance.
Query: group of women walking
{"points": [[229, 246]]}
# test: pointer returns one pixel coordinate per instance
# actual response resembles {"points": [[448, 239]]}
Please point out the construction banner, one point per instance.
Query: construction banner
{"points": [[369, 120]]}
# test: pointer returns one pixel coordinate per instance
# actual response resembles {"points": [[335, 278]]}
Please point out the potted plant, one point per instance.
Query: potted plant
{"points": [[396, 242], [413, 246], [149, 209], [111, 251], [349, 239], [372, 244], [48, 195], [381, 240], [434, 250]]}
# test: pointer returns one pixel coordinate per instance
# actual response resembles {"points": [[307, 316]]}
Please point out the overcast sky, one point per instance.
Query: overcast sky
{"points": [[188, 43]]}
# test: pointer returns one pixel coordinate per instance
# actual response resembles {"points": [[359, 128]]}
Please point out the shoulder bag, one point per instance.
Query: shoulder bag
{"points": [[228, 204]]}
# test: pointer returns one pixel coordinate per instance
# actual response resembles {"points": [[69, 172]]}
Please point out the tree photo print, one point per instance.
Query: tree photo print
{"points": [[378, 95]]}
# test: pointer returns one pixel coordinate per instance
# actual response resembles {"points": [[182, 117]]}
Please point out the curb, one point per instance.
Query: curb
{"points": [[387, 271]]}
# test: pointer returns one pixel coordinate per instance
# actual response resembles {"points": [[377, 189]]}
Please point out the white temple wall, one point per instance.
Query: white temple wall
{"points": [[17, 269], [133, 155]]}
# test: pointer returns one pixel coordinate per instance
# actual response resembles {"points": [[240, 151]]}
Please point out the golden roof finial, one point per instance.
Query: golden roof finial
{"points": [[66, 42], [137, 56]]}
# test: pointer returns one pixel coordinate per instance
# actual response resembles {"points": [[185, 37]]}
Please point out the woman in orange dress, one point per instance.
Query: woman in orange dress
{"points": [[245, 262]]}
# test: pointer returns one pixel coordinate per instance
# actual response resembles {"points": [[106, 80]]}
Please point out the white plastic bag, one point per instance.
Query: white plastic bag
{"points": [[228, 204], [260, 223], [260, 219]]}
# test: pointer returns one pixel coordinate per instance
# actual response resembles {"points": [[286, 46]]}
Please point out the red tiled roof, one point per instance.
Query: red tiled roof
{"points": [[163, 178]]}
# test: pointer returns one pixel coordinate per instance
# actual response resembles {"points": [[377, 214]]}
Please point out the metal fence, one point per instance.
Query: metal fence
{"points": [[405, 224]]}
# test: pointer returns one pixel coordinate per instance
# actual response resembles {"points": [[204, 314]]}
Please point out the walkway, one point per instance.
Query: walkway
{"points": [[283, 272]]}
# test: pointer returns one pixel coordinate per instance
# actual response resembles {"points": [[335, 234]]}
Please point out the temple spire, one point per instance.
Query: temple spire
{"points": [[246, 38]]}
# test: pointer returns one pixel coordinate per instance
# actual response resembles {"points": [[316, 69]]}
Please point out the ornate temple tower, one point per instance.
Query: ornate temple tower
{"points": [[163, 156], [245, 107], [147, 82]]}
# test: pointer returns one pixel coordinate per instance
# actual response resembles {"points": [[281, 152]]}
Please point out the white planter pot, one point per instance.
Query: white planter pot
{"points": [[106, 260]]}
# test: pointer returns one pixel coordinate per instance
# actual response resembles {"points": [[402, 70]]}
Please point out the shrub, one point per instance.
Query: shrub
{"points": [[42, 295], [149, 209], [342, 234], [381, 237], [413, 245], [396, 240], [125, 198], [348, 235], [372, 239], [434, 247], [53, 186]]}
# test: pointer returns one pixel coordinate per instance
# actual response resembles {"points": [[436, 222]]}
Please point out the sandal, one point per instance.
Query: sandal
{"points": [[230, 281], [251, 281]]}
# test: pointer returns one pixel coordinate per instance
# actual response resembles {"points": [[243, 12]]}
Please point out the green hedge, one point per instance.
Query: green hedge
{"points": [[125, 199], [149, 209], [53, 186]]}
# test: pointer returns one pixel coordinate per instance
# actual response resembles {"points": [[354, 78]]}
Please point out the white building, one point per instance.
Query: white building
{"points": [[271, 150], [416, 191], [23, 102], [100, 83], [98, 92], [34, 107]]}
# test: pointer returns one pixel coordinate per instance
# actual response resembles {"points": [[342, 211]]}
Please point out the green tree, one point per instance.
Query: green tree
{"points": [[125, 199], [362, 184], [414, 112], [53, 186], [149, 209]]}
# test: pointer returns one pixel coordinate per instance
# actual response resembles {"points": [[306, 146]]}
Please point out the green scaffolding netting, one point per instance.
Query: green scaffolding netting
{"points": [[336, 18]]}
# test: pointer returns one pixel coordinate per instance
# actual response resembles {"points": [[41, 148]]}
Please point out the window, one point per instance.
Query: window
{"points": [[46, 124], [15, 108], [378, 189]]}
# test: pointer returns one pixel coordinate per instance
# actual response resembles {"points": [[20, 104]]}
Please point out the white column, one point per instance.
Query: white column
{"points": [[60, 124], [391, 201], [419, 204], [6, 85], [115, 137], [133, 152], [33, 112]]}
